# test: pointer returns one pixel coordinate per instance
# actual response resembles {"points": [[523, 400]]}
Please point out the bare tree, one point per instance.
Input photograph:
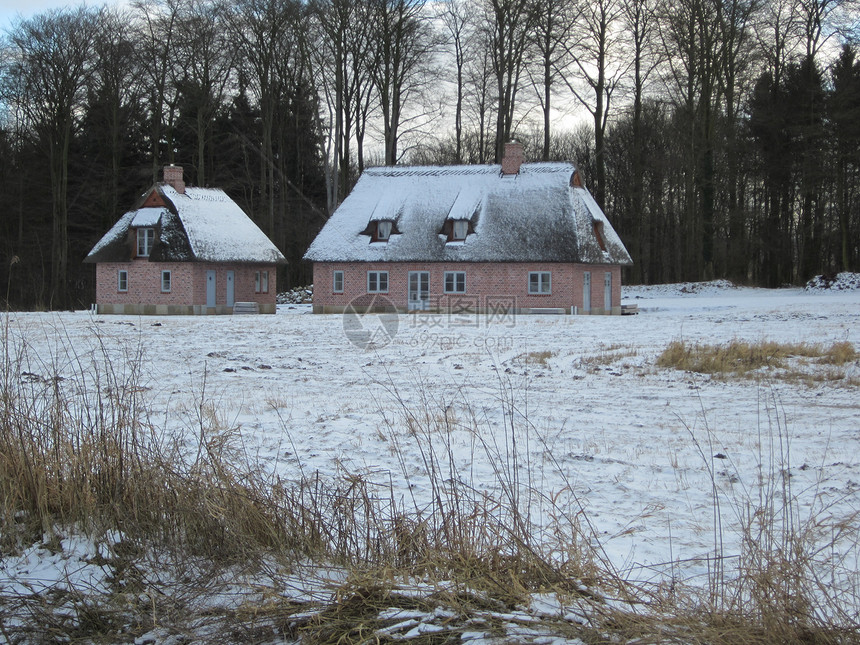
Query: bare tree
{"points": [[266, 32], [820, 20], [13, 95], [689, 35], [404, 47], [844, 112], [205, 55], [554, 28], [155, 34], [114, 98], [778, 34], [640, 22], [343, 60], [457, 16], [509, 26], [480, 101], [361, 61], [734, 64], [597, 71], [54, 54]]}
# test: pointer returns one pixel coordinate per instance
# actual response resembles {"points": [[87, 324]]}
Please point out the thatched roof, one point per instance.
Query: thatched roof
{"points": [[200, 224], [540, 214]]}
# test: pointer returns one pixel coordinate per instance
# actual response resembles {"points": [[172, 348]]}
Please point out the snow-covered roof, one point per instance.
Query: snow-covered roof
{"points": [[201, 224], [535, 216], [147, 216]]}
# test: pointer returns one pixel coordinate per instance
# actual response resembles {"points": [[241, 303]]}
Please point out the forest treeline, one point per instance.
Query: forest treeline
{"points": [[722, 137]]}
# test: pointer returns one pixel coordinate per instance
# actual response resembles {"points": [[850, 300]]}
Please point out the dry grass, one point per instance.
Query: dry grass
{"points": [[536, 358], [787, 361], [608, 355], [79, 452], [839, 354]]}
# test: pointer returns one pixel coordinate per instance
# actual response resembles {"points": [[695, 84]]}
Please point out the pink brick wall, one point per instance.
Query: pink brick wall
{"points": [[482, 279], [188, 283], [144, 282]]}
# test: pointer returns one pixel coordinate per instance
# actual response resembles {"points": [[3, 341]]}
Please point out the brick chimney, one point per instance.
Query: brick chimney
{"points": [[173, 176], [513, 158]]}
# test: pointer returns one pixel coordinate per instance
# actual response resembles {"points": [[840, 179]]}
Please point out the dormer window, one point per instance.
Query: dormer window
{"points": [[145, 240], [463, 215], [383, 230], [456, 230]]}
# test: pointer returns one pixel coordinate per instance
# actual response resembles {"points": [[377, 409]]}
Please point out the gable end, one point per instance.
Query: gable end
{"points": [[153, 200]]}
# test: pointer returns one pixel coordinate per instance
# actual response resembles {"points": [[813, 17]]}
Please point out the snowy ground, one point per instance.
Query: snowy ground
{"points": [[636, 445]]}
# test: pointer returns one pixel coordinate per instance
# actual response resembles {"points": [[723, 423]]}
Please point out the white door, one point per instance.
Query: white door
{"points": [[586, 291], [419, 290], [231, 294], [607, 292], [210, 288]]}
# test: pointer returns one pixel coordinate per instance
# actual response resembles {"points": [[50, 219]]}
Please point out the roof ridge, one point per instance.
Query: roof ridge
{"points": [[200, 193], [466, 169]]}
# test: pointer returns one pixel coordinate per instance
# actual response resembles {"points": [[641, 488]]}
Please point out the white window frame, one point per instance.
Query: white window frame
{"points": [[166, 281], [261, 282], [457, 282], [337, 281], [459, 229], [383, 229], [122, 280], [145, 241], [540, 283], [375, 280]]}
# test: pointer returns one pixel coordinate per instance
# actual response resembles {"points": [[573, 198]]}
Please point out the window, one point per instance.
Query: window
{"points": [[337, 282], [145, 239], [540, 282], [455, 282], [261, 282], [122, 280], [165, 281], [377, 281], [383, 229], [459, 229]]}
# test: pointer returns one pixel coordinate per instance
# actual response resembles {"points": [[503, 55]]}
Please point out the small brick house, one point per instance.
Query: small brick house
{"points": [[527, 238], [184, 250]]}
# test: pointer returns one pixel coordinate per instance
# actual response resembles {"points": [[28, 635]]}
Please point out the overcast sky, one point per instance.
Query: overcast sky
{"points": [[9, 9]]}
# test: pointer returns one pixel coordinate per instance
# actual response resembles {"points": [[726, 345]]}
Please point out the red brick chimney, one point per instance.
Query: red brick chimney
{"points": [[173, 176], [513, 158]]}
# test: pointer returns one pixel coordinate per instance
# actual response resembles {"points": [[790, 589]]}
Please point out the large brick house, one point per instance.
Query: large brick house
{"points": [[184, 250], [523, 237]]}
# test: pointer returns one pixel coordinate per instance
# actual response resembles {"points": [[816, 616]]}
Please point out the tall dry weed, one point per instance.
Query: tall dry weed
{"points": [[78, 448]]}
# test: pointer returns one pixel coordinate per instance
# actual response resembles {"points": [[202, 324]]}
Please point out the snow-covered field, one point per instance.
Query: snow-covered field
{"points": [[595, 425]]}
